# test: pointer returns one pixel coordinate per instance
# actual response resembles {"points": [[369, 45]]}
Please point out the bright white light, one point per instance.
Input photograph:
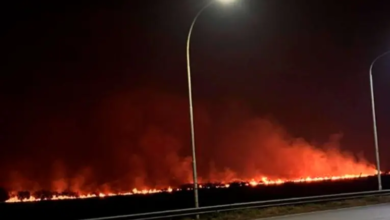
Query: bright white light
{"points": [[226, 1]]}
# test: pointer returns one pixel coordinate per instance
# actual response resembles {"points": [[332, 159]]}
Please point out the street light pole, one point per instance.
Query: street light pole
{"points": [[194, 169], [374, 120]]}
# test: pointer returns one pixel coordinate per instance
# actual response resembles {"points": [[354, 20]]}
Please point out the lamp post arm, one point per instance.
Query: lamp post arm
{"points": [[190, 34], [376, 59]]}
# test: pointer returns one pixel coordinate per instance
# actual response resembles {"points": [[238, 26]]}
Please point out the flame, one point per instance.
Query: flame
{"points": [[128, 160], [252, 183]]}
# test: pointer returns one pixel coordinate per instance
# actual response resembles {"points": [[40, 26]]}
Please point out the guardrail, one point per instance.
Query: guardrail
{"points": [[247, 205]]}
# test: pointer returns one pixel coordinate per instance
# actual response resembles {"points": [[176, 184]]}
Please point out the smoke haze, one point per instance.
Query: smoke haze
{"points": [[141, 139]]}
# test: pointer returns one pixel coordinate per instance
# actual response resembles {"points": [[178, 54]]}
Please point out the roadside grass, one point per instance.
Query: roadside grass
{"points": [[251, 214]]}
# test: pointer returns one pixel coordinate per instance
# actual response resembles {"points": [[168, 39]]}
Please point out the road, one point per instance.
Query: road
{"points": [[377, 212]]}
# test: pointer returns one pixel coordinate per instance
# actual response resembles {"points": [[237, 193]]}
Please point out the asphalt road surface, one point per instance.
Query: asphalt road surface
{"points": [[377, 212]]}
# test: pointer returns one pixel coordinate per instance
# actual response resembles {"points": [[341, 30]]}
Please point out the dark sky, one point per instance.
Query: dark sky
{"points": [[84, 85]]}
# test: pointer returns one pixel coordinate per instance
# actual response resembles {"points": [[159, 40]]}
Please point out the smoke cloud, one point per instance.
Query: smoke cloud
{"points": [[141, 139]]}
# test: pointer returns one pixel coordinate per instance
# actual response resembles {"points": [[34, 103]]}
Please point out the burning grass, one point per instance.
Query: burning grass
{"points": [[25, 196]]}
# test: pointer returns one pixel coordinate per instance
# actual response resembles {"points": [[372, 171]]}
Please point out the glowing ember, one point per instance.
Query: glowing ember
{"points": [[254, 182]]}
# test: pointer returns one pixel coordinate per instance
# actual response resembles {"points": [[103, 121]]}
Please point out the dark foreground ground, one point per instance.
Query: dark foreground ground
{"points": [[100, 207]]}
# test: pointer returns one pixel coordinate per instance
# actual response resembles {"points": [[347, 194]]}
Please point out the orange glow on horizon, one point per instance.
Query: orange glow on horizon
{"points": [[252, 183]]}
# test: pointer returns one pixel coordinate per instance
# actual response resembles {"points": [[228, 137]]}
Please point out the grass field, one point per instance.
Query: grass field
{"points": [[137, 204], [251, 214]]}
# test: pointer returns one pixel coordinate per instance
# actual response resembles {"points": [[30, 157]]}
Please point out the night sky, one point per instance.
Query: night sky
{"points": [[87, 88]]}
